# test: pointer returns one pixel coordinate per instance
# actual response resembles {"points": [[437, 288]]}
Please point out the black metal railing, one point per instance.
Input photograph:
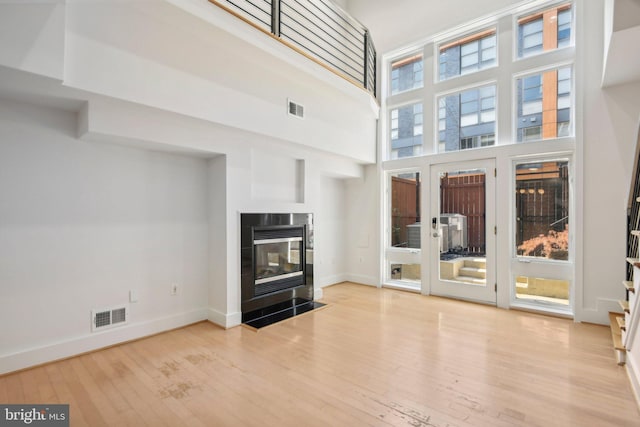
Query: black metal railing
{"points": [[633, 213], [317, 28]]}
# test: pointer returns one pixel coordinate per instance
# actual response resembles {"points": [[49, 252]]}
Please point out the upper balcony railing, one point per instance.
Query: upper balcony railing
{"points": [[318, 29]]}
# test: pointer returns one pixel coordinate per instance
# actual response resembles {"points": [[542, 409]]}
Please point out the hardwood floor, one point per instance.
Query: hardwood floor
{"points": [[372, 357]]}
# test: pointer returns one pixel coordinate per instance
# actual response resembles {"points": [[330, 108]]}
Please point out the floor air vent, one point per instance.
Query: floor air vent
{"points": [[296, 109], [109, 317]]}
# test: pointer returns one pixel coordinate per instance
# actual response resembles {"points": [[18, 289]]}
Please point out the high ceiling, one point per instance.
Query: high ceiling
{"points": [[622, 60], [395, 23]]}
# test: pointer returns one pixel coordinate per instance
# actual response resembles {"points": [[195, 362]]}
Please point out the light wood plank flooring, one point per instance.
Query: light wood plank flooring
{"points": [[372, 357]]}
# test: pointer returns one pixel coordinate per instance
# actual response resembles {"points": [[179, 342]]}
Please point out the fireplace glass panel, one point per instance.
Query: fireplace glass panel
{"points": [[277, 258]]}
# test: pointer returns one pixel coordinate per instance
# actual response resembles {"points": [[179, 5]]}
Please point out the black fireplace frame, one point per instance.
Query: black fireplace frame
{"points": [[295, 296]]}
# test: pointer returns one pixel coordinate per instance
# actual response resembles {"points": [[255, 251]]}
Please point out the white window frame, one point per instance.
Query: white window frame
{"points": [[479, 52], [542, 267], [541, 70], [539, 9], [505, 148]]}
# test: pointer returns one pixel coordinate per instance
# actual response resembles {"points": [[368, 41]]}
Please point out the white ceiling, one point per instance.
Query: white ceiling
{"points": [[396, 23], [622, 60]]}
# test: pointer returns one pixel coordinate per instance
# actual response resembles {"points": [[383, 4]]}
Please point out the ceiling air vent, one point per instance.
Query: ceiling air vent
{"points": [[109, 317], [295, 109]]}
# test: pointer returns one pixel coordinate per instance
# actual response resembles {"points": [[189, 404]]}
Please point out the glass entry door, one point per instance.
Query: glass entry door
{"points": [[461, 230]]}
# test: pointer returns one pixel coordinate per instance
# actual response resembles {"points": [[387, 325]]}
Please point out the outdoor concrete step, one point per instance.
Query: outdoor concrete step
{"points": [[522, 284], [469, 279], [479, 273], [475, 262]]}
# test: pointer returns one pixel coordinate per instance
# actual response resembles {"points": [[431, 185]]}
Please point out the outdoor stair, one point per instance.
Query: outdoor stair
{"points": [[479, 273], [473, 271]]}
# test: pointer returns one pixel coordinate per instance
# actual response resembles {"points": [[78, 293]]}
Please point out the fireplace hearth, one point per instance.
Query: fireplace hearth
{"points": [[276, 267]]}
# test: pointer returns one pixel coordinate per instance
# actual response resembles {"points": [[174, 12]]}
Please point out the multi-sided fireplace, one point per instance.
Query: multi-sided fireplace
{"points": [[276, 266]]}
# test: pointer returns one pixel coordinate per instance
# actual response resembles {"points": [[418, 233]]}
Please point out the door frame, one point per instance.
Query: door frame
{"points": [[486, 294]]}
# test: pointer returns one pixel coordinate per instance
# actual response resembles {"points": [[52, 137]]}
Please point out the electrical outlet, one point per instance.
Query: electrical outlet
{"points": [[174, 289], [133, 295]]}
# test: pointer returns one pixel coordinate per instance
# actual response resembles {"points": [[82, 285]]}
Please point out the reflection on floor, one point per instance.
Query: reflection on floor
{"points": [[283, 314]]}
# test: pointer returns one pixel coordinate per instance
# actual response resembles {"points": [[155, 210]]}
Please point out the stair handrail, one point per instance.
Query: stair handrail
{"points": [[633, 210], [633, 223]]}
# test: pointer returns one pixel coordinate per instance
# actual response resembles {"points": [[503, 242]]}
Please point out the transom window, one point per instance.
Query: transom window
{"points": [[544, 105], [465, 117], [406, 131], [468, 54], [544, 31], [407, 74]]}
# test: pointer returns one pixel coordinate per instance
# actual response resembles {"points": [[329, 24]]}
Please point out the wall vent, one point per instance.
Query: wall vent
{"points": [[295, 109], [106, 318]]}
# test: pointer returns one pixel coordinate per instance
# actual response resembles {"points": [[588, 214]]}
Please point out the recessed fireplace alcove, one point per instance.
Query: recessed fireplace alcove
{"points": [[276, 266]]}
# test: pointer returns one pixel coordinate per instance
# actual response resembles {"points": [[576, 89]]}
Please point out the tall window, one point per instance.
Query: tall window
{"points": [[406, 131], [405, 210], [542, 210], [531, 37], [403, 253], [544, 105], [407, 74], [459, 87], [544, 31], [468, 54], [467, 119]]}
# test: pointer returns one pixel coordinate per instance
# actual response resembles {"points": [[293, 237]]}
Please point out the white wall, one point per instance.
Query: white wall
{"points": [[324, 197], [32, 37], [331, 230], [609, 134], [82, 224], [218, 236], [169, 59], [363, 238]]}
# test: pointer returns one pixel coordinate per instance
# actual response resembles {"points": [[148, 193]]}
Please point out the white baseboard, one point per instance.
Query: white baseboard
{"points": [[94, 341], [599, 315], [329, 280], [225, 320], [633, 371], [362, 279]]}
